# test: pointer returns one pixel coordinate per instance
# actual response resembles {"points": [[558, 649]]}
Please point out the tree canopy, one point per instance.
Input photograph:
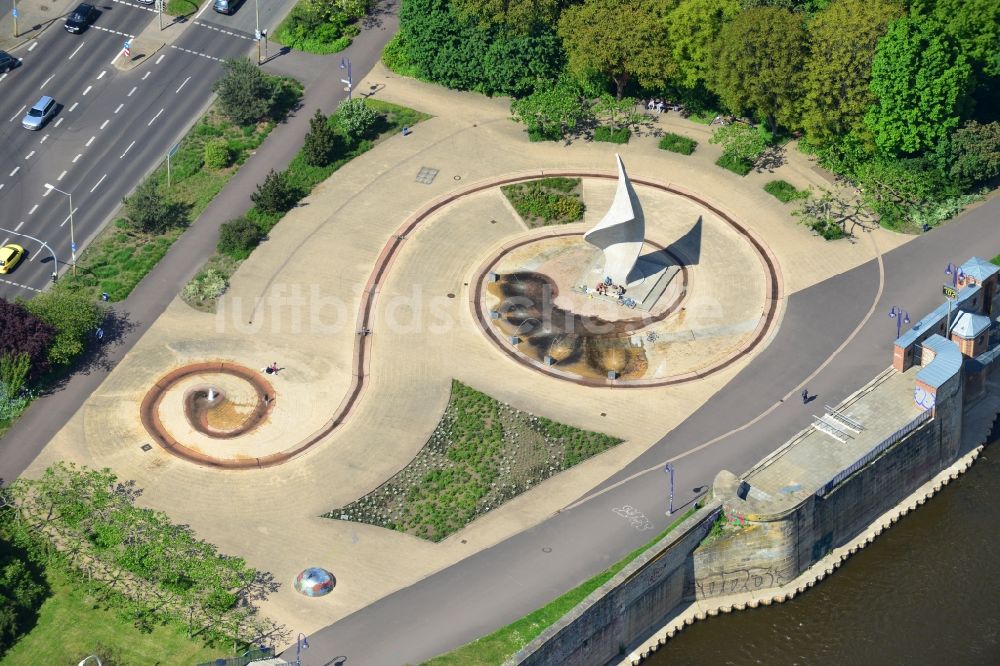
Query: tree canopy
{"points": [[691, 32]]}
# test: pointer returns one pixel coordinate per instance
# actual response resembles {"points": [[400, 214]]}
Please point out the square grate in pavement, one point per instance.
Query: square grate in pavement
{"points": [[426, 175]]}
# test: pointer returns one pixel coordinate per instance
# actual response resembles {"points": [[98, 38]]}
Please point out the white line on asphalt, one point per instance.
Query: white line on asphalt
{"points": [[119, 108], [59, 178], [148, 72], [44, 138], [87, 90], [101, 75], [28, 156], [32, 47], [182, 85], [99, 182], [46, 82], [16, 169], [19, 225], [105, 123], [159, 59], [198, 15], [73, 107], [75, 52], [5, 240], [77, 157], [89, 141], [154, 117], [126, 150], [33, 209], [47, 193], [58, 122], [1, 186], [3, 76], [18, 113], [133, 90]]}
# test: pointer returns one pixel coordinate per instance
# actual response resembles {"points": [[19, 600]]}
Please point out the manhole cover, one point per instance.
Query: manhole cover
{"points": [[146, 447], [426, 175]]}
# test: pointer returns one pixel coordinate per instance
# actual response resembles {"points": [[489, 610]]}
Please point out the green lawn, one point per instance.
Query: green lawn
{"points": [[785, 191], [71, 625], [497, 647]]}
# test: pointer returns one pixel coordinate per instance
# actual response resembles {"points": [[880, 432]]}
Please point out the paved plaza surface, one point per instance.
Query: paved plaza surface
{"points": [[295, 302]]}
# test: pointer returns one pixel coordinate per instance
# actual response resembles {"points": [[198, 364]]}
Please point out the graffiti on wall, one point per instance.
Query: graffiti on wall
{"points": [[740, 580]]}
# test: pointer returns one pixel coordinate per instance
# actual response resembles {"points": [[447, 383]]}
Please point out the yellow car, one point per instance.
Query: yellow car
{"points": [[10, 255]]}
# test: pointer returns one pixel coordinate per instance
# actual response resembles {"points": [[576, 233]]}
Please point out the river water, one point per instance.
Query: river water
{"points": [[927, 591]]}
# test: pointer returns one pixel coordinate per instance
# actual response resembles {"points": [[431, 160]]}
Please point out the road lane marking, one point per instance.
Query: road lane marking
{"points": [[73, 107], [99, 182], [19, 225], [18, 113], [154, 117], [44, 138], [77, 157], [148, 72], [203, 55], [105, 123], [32, 47], [22, 286], [16, 169], [59, 178], [198, 15], [133, 90], [1, 185], [3, 76], [28, 156], [101, 75], [57, 123], [159, 59], [182, 85], [89, 141], [119, 108], [33, 209], [5, 240], [48, 191], [75, 52], [87, 90], [46, 82], [127, 149]]}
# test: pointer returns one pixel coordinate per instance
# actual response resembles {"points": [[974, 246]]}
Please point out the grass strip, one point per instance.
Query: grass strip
{"points": [[503, 643], [676, 143], [734, 164], [784, 191]]}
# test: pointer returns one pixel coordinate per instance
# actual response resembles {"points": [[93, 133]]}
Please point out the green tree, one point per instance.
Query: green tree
{"points": [[246, 94], [14, 369], [616, 113], [551, 113], [238, 238], [842, 40], [355, 119], [321, 143], [757, 64], [975, 27], [217, 154], [971, 154], [518, 64], [22, 591], [921, 85], [73, 316], [517, 16], [276, 194], [617, 39], [691, 32], [444, 47], [148, 209], [741, 142]]}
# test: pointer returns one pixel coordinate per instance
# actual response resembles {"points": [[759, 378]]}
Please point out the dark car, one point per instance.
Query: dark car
{"points": [[7, 62], [81, 17]]}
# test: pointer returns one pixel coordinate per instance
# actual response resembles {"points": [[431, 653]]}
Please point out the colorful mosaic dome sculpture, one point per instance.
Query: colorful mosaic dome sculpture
{"points": [[315, 582]]}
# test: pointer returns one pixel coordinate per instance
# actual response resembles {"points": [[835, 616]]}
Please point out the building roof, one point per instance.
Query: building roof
{"points": [[969, 324], [946, 364], [936, 316], [979, 268]]}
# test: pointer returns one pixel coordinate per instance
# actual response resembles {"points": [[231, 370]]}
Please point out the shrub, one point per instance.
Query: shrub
{"points": [[149, 210], [246, 94], [207, 286], [355, 118], [22, 332], [238, 238], [742, 142], [396, 57], [676, 143], [546, 201], [217, 154], [784, 191], [321, 142], [620, 135], [73, 316], [734, 164], [276, 194]]}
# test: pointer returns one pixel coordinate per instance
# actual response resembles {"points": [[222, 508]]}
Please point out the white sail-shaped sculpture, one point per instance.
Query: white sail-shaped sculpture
{"points": [[621, 231]]}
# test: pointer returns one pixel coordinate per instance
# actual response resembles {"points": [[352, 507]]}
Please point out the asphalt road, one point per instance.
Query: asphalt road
{"points": [[112, 128], [503, 583]]}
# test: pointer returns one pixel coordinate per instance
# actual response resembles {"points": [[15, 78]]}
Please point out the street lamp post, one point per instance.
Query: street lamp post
{"points": [[956, 274], [72, 236], [55, 261], [14, 13], [901, 317], [345, 63], [301, 643], [669, 469]]}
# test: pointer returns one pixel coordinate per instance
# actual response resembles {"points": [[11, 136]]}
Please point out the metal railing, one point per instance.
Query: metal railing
{"points": [[874, 452]]}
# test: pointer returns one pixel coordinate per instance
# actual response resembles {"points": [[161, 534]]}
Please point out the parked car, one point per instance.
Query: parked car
{"points": [[39, 114], [146, 2], [7, 62], [227, 6], [10, 255], [81, 17]]}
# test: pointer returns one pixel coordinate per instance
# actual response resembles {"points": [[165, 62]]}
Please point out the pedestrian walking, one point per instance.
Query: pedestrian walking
{"points": [[805, 396]]}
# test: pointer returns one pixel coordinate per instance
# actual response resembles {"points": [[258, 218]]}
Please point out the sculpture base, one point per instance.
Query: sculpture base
{"points": [[652, 274]]}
